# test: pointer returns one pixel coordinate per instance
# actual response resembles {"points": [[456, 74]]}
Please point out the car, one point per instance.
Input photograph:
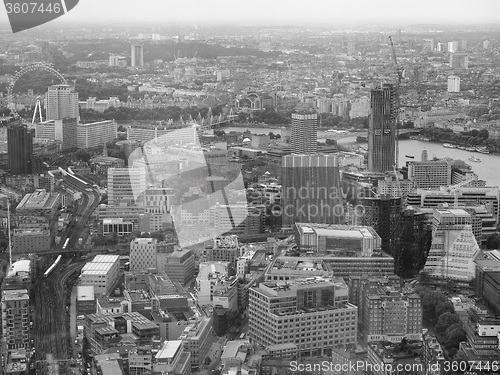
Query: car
{"points": [[80, 317]]}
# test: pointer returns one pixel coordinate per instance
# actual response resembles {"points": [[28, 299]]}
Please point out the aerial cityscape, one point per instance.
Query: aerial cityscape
{"points": [[289, 196]]}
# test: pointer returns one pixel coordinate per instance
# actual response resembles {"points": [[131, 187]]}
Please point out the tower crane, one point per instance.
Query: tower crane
{"points": [[396, 103]]}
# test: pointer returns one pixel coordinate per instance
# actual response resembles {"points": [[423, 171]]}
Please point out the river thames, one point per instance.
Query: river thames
{"points": [[488, 169]]}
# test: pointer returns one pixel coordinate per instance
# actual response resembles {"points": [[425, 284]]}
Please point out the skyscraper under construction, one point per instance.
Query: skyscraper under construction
{"points": [[382, 129]]}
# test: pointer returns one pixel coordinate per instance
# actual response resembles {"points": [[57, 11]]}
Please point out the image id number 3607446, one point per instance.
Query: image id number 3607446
{"points": [[465, 366], [33, 7]]}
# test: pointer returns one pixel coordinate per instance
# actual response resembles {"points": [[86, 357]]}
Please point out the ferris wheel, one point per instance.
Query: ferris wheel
{"points": [[27, 69]]}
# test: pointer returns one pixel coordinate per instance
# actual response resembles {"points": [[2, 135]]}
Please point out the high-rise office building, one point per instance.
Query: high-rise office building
{"points": [[122, 185], [454, 247], [311, 189], [312, 313], [413, 243], [459, 61], [304, 138], [20, 149], [137, 55], [453, 84], [240, 80], [66, 131], [382, 129], [16, 318], [62, 102], [383, 214]]}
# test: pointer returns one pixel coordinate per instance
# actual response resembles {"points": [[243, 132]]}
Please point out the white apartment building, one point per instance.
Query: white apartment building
{"points": [[61, 102], [96, 134], [429, 174], [453, 84]]}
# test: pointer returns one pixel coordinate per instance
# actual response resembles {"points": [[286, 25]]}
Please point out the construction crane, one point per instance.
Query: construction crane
{"points": [[399, 72]]}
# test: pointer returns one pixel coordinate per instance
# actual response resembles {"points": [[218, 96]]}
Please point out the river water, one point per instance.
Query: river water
{"points": [[488, 169]]}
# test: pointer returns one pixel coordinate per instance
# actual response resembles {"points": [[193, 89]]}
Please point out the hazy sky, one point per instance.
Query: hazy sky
{"points": [[393, 11]]}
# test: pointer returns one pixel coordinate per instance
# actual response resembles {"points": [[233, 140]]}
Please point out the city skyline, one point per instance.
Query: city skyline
{"points": [[206, 199], [389, 12]]}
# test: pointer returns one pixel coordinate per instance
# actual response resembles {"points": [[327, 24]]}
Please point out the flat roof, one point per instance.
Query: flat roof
{"points": [[169, 349], [96, 268], [39, 199], [85, 293], [100, 258], [19, 266], [232, 348], [15, 295]]}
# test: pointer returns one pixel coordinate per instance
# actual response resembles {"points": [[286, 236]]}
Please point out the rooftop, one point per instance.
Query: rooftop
{"points": [[38, 200], [106, 258], [15, 295], [85, 293], [21, 266], [169, 349], [96, 268]]}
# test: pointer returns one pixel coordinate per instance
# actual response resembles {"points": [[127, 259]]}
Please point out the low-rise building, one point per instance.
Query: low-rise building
{"points": [[31, 240], [215, 287], [85, 300], [173, 359], [101, 273], [339, 239], [39, 203], [177, 264]]}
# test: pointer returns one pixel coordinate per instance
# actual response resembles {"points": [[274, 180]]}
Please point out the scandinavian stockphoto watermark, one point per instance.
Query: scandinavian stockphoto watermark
{"points": [[26, 14]]}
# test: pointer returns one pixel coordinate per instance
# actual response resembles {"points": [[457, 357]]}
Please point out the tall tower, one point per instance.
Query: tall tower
{"points": [[19, 149], [137, 55], [62, 102], [382, 129], [383, 214], [304, 139]]}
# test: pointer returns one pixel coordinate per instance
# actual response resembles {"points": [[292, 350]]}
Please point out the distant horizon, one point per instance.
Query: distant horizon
{"points": [[279, 13]]}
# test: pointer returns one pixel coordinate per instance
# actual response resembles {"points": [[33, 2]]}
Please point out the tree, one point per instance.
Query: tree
{"points": [[429, 303], [444, 307], [83, 155], [219, 133], [446, 320], [493, 242]]}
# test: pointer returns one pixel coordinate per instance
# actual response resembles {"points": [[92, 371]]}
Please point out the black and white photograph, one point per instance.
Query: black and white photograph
{"points": [[265, 187]]}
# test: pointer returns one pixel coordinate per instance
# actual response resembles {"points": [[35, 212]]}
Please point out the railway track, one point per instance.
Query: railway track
{"points": [[51, 320]]}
